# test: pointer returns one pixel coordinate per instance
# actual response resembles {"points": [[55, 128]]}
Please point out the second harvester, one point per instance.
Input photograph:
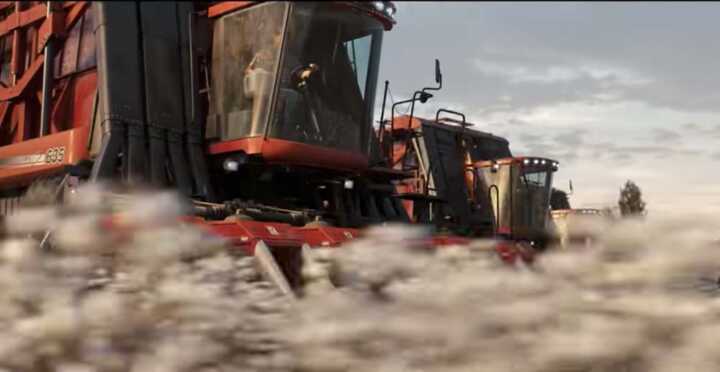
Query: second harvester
{"points": [[467, 183]]}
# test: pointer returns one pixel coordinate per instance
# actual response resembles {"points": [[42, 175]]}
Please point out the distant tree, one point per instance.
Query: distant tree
{"points": [[559, 200], [630, 202]]}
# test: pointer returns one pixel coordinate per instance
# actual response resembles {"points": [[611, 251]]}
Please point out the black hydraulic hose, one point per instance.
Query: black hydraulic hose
{"points": [[178, 160], [194, 135], [176, 126], [222, 211], [158, 154], [137, 138]]}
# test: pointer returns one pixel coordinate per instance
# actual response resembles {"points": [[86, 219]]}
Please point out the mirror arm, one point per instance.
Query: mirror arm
{"points": [[438, 78]]}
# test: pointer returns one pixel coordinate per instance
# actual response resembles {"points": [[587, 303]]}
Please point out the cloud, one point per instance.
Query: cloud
{"points": [[529, 138], [666, 135], [593, 49], [537, 73], [639, 78], [655, 151], [572, 138], [516, 121], [697, 130], [691, 126]]}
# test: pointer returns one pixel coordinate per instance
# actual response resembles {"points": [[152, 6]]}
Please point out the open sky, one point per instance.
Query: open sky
{"points": [[613, 91]]}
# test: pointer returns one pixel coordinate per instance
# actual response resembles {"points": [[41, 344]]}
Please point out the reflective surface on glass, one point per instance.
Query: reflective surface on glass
{"points": [[532, 196], [328, 104], [516, 196], [493, 193], [246, 47]]}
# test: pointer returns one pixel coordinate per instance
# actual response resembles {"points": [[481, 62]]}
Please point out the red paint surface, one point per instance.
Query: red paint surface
{"points": [[275, 150], [326, 236]]}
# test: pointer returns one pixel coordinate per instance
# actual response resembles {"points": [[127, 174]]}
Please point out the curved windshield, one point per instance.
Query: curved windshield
{"points": [[493, 195], [328, 77], [246, 47], [517, 197], [532, 197]]}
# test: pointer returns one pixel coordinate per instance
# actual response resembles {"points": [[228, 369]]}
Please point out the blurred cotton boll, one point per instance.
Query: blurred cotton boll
{"points": [[90, 197], [614, 305], [149, 209], [19, 252], [31, 220], [148, 293], [80, 235]]}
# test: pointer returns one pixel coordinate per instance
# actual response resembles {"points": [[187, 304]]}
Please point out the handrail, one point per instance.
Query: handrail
{"points": [[496, 226], [418, 95], [437, 116]]}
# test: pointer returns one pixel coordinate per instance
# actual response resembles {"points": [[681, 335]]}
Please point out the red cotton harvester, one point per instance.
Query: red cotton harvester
{"points": [[259, 113], [466, 183]]}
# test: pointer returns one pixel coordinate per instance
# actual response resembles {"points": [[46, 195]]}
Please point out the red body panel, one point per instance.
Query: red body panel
{"points": [[447, 240], [327, 236], [225, 7], [23, 155], [275, 150], [73, 141], [509, 251], [74, 108], [245, 234]]}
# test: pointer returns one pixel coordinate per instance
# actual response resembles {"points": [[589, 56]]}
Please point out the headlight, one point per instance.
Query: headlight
{"points": [[390, 10], [526, 161], [231, 165], [379, 5]]}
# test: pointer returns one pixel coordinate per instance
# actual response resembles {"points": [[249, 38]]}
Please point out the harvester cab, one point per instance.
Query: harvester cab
{"points": [[291, 105], [298, 86], [516, 192]]}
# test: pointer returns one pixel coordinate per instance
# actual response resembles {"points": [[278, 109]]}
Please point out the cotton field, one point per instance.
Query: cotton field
{"points": [[143, 292]]}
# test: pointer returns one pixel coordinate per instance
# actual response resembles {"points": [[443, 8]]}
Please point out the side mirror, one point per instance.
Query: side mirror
{"points": [[425, 96], [438, 75]]}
